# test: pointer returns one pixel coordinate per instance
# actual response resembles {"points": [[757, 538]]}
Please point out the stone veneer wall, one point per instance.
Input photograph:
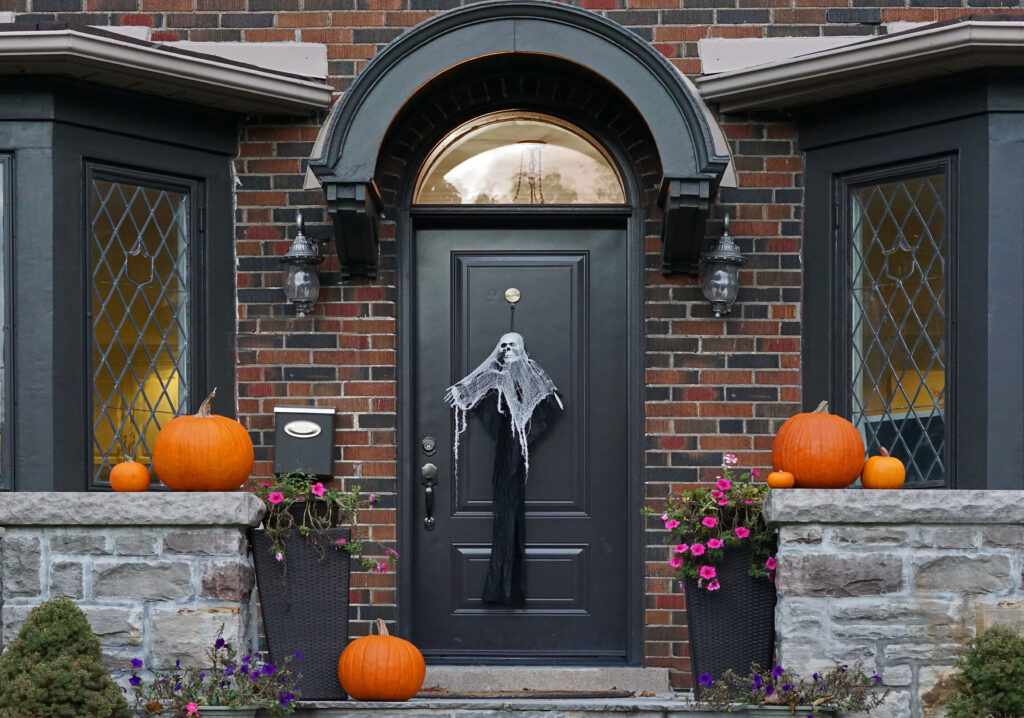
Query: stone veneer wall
{"points": [[156, 573], [900, 580]]}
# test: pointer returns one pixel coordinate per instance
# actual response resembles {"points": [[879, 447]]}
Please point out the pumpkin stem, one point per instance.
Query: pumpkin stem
{"points": [[382, 628], [883, 451], [822, 408], [204, 408]]}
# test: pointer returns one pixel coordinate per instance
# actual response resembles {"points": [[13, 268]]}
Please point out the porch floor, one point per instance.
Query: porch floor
{"points": [[659, 706]]}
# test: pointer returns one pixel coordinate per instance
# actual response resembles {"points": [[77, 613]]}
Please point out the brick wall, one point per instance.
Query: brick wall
{"points": [[713, 385]]}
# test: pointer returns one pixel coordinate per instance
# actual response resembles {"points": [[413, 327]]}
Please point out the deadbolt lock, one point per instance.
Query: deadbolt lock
{"points": [[429, 445]]}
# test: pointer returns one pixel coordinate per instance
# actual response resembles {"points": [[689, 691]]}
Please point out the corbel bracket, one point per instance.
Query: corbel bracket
{"points": [[355, 208], [684, 203]]}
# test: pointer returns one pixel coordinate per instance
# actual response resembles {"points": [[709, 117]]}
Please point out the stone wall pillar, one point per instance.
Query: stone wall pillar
{"points": [[900, 580], [156, 573]]}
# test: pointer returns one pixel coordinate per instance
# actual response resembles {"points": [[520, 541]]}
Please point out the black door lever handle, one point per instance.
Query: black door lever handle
{"points": [[428, 472]]}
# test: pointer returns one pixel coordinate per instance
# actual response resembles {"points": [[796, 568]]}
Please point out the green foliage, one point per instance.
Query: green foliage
{"points": [[54, 669], [990, 682]]}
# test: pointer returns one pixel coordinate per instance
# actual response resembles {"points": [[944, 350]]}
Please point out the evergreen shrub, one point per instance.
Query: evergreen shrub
{"points": [[990, 681]]}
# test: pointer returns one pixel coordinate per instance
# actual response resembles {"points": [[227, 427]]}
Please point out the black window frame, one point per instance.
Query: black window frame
{"points": [[842, 338], [7, 277], [198, 342]]}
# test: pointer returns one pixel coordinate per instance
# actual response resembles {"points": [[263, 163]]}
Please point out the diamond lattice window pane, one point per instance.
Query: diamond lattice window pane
{"points": [[898, 319], [139, 239]]}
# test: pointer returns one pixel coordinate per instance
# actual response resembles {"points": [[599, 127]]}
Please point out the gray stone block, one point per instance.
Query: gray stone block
{"points": [[20, 566], [205, 542], [934, 688], [862, 535], [839, 574], [796, 618], [227, 580], [79, 544], [899, 652], [141, 544], [148, 508], [1008, 536], [115, 626], [12, 617], [153, 581], [854, 506], [992, 611], [66, 579], [962, 574], [187, 633], [800, 535], [898, 676]]}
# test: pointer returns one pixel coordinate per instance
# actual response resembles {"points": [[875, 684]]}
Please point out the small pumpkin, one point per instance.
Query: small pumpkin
{"points": [[780, 480], [129, 476], [883, 472], [821, 450], [205, 452], [381, 667]]}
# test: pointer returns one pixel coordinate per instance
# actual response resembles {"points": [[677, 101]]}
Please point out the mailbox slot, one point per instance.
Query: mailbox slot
{"points": [[304, 440]]}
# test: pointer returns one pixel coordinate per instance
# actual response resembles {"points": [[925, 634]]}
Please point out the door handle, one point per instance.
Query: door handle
{"points": [[428, 473]]}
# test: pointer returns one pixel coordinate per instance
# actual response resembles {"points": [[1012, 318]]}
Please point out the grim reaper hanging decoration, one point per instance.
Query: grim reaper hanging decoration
{"points": [[515, 400]]}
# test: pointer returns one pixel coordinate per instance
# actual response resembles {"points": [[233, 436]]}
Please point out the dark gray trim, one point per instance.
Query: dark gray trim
{"points": [[7, 375], [356, 129], [528, 216]]}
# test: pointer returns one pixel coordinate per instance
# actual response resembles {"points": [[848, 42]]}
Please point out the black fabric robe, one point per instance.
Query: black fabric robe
{"points": [[504, 583]]}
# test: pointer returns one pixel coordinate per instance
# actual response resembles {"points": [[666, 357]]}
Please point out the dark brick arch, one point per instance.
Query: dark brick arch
{"points": [[532, 83]]}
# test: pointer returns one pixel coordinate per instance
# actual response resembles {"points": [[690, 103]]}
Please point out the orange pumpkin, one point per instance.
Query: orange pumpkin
{"points": [[381, 667], [780, 480], [883, 472], [205, 452], [129, 476], [821, 450]]}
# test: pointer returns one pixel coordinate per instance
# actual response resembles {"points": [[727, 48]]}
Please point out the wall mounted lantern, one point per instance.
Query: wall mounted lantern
{"points": [[302, 280], [721, 266]]}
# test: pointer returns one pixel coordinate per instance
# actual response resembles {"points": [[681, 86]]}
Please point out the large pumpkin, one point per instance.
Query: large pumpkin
{"points": [[129, 476], [883, 472], [204, 452], [821, 450], [381, 667]]}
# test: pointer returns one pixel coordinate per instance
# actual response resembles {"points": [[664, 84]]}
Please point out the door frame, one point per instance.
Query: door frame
{"points": [[407, 455]]}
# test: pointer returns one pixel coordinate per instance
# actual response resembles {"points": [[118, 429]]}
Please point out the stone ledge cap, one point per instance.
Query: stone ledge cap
{"points": [[214, 508], [862, 506]]}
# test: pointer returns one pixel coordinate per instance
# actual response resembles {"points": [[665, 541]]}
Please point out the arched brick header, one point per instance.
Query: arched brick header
{"points": [[346, 153]]}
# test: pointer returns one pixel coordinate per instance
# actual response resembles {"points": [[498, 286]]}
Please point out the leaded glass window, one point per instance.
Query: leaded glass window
{"points": [[140, 235], [898, 307], [518, 158]]}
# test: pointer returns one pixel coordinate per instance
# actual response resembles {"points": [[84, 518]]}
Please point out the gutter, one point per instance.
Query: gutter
{"points": [[160, 70], [868, 65]]}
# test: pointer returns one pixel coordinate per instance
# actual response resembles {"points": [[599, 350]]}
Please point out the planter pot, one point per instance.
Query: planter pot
{"points": [[782, 711], [228, 711], [305, 611], [734, 626]]}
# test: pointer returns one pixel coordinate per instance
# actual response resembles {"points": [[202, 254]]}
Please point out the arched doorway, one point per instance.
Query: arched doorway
{"points": [[576, 169]]}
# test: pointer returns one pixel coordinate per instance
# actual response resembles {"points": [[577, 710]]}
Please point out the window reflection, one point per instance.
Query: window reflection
{"points": [[518, 158]]}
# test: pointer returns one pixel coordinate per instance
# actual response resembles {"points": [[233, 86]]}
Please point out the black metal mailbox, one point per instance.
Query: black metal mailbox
{"points": [[304, 440]]}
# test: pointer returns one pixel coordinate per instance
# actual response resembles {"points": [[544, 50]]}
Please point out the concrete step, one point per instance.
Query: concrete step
{"points": [[666, 706], [477, 679]]}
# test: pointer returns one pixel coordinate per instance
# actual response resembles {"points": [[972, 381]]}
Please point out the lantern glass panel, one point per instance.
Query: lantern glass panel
{"points": [[302, 286]]}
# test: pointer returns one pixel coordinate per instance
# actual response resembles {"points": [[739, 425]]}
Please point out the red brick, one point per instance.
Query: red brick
{"points": [[136, 20], [304, 19]]}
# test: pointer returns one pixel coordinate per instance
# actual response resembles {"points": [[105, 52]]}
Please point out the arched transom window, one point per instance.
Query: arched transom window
{"points": [[518, 158]]}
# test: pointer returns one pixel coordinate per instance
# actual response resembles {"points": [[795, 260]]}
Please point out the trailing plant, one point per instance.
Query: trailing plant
{"points": [[299, 502], [54, 668], [842, 688], [228, 681], [705, 522], [990, 678]]}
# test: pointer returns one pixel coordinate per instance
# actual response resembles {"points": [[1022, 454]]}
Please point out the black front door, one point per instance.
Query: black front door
{"points": [[573, 316]]}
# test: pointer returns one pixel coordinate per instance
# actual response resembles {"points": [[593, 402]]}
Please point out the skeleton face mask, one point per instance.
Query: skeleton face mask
{"points": [[510, 348]]}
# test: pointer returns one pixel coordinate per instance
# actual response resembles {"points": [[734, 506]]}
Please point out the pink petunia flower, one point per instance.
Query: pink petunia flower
{"points": [[710, 521], [664, 517], [715, 543], [723, 502], [373, 497], [681, 548], [671, 524], [755, 473], [675, 562], [279, 556], [713, 585], [707, 572], [265, 484], [770, 563], [697, 549], [391, 552], [724, 484], [716, 494], [317, 489], [742, 532], [749, 501], [382, 567], [342, 541], [730, 459], [193, 709], [771, 576], [275, 497]]}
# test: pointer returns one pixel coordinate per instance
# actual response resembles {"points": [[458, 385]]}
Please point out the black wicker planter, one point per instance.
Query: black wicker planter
{"points": [[308, 612], [733, 626]]}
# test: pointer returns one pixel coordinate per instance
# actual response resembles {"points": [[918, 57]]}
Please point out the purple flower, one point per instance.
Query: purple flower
{"points": [[754, 688], [769, 690], [285, 698], [136, 663], [778, 671], [298, 656], [706, 679], [219, 644], [177, 686], [134, 681], [876, 676], [229, 671], [787, 686], [816, 677], [225, 684], [202, 674], [246, 658], [757, 680], [177, 663], [267, 669]]}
